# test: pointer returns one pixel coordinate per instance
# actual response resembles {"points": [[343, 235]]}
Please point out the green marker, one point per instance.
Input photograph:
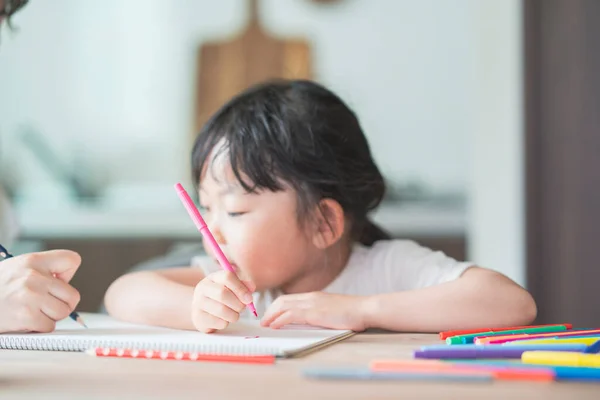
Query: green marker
{"points": [[460, 339], [467, 339]]}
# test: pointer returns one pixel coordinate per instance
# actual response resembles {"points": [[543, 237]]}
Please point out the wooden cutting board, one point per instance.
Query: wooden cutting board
{"points": [[226, 68]]}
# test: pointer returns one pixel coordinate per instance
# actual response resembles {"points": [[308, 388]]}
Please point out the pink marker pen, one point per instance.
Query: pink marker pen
{"points": [[203, 228]]}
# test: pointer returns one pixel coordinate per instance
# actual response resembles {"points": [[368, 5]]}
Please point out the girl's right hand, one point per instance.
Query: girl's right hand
{"points": [[218, 301]]}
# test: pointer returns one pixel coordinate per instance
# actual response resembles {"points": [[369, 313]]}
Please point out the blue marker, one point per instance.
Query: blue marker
{"points": [[365, 374], [593, 348]]}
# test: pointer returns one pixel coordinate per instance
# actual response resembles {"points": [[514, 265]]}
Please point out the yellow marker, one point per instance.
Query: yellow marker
{"points": [[561, 358], [581, 340]]}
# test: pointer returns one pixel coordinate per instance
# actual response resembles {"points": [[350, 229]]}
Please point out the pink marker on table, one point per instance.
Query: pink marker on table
{"points": [[203, 228]]}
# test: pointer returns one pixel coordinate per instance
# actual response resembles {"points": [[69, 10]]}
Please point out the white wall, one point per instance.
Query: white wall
{"points": [[114, 78], [496, 193], [435, 82]]}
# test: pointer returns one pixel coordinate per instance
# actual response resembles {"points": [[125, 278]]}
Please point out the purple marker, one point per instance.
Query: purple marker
{"points": [[491, 351]]}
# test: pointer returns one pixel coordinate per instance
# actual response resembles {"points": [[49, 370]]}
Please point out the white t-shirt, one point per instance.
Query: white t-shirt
{"points": [[387, 266]]}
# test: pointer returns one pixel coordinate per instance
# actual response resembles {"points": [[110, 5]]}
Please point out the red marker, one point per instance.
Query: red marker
{"points": [[178, 355]]}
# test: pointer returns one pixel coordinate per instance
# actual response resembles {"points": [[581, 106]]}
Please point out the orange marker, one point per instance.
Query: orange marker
{"points": [[523, 374]]}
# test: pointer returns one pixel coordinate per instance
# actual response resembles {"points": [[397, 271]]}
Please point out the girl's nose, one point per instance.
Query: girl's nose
{"points": [[218, 236]]}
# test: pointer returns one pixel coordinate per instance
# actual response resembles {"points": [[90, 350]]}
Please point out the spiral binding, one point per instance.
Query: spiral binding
{"points": [[51, 344]]}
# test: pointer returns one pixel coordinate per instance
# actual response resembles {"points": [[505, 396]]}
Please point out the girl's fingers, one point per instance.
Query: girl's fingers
{"points": [[219, 310], [287, 317], [250, 285], [279, 306], [223, 295], [207, 323], [234, 284]]}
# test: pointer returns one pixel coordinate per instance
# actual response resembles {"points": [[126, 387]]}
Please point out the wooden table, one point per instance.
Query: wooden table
{"points": [[61, 375]]}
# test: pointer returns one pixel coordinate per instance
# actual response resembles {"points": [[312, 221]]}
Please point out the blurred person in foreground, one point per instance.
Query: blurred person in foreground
{"points": [[34, 287]]}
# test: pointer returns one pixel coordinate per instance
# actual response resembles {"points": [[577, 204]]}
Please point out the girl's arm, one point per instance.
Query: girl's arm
{"points": [[162, 298], [479, 298]]}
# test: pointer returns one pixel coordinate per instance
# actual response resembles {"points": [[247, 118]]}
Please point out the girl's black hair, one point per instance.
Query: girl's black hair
{"points": [[300, 133]]}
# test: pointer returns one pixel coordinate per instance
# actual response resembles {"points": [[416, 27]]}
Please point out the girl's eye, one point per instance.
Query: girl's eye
{"points": [[204, 209], [236, 214]]}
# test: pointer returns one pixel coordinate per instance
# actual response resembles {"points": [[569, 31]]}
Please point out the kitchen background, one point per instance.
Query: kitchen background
{"points": [[100, 101]]}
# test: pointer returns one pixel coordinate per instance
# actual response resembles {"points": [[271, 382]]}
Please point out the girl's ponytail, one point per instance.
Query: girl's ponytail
{"points": [[370, 233]]}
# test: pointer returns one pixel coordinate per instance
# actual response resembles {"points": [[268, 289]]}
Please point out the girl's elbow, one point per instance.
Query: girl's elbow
{"points": [[116, 297], [110, 298], [518, 304], [530, 308], [525, 308]]}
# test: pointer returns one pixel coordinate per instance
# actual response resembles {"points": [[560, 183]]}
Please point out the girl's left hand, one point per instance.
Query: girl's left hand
{"points": [[335, 311]]}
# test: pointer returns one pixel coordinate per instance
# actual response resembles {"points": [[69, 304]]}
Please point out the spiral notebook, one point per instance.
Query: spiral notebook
{"points": [[241, 338]]}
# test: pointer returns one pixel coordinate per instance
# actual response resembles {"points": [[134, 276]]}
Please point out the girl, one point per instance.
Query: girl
{"points": [[286, 179]]}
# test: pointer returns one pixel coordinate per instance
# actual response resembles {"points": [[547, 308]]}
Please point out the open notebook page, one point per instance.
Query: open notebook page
{"points": [[241, 338]]}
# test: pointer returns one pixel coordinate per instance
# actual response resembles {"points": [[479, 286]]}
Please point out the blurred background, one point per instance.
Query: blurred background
{"points": [[100, 102]]}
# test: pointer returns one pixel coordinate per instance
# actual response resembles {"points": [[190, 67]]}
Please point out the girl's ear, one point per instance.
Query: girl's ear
{"points": [[329, 223]]}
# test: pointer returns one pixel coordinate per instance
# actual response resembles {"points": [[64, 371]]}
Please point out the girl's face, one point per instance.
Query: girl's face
{"points": [[258, 232]]}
